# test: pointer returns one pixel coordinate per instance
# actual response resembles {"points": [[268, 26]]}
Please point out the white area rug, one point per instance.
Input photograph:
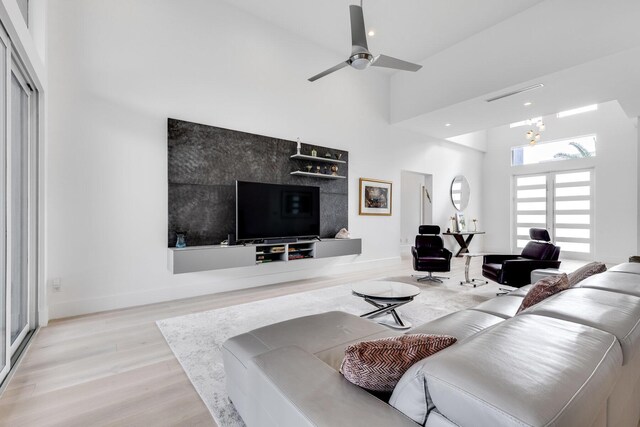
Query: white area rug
{"points": [[196, 339]]}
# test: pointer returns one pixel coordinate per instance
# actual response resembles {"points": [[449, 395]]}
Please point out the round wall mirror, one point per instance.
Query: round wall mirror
{"points": [[460, 192]]}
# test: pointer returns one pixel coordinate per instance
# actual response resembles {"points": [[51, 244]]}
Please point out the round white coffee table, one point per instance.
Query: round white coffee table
{"points": [[386, 297]]}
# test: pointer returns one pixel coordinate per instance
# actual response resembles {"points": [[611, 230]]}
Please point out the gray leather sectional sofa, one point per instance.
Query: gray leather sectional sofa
{"points": [[571, 360]]}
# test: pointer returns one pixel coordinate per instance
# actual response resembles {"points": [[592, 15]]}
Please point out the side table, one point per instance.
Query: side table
{"points": [[467, 262]]}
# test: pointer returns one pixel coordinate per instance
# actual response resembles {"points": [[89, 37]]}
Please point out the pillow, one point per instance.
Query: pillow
{"points": [[543, 289], [377, 365], [585, 271]]}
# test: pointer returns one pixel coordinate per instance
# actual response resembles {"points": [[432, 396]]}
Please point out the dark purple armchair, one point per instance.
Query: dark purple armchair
{"points": [[515, 270], [429, 253]]}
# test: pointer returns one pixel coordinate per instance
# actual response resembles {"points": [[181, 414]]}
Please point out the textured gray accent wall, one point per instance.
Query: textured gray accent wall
{"points": [[204, 163]]}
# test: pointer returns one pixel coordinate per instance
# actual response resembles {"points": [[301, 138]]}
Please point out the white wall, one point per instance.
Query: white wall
{"points": [[118, 69], [616, 178]]}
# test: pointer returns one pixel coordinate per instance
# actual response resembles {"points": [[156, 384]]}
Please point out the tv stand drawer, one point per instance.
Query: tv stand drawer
{"points": [[338, 247], [204, 258]]}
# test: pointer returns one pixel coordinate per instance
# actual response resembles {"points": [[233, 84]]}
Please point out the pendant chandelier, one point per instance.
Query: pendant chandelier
{"points": [[534, 136]]}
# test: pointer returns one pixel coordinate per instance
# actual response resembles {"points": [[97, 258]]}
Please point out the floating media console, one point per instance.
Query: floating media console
{"points": [[216, 257]]}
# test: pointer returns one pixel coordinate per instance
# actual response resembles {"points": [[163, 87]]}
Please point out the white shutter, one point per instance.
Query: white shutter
{"points": [[573, 213], [561, 202], [530, 206]]}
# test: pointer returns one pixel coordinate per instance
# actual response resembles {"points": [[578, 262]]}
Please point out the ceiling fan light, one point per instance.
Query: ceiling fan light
{"points": [[537, 137], [541, 127], [532, 142], [529, 134], [360, 63]]}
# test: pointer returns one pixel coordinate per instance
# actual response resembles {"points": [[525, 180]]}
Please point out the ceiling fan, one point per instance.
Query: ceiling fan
{"points": [[360, 57]]}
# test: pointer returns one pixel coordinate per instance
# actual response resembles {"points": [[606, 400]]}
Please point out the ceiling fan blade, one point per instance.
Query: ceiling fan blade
{"points": [[358, 33], [397, 64], [329, 71]]}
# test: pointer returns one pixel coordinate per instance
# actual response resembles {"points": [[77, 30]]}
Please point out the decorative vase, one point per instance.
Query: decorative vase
{"points": [[334, 170], [327, 155], [338, 156], [180, 240], [309, 167], [314, 153]]}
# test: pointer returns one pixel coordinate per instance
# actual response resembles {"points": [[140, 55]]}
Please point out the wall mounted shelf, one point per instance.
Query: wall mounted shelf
{"points": [[317, 159], [317, 175]]}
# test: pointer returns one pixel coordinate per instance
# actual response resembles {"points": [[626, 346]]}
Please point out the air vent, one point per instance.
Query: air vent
{"points": [[515, 92]]}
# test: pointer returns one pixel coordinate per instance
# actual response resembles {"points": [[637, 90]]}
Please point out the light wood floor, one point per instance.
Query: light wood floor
{"points": [[115, 368]]}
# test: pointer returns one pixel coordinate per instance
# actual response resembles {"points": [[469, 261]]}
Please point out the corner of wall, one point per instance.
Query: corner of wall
{"points": [[637, 121]]}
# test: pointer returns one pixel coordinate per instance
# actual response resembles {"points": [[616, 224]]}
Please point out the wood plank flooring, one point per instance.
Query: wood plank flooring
{"points": [[115, 368]]}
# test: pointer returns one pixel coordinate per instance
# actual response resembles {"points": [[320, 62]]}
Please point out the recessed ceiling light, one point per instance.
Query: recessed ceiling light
{"points": [[527, 122], [447, 124], [526, 104], [515, 92], [575, 111], [371, 33]]}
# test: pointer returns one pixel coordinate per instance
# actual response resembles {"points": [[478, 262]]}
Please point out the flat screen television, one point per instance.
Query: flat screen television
{"points": [[271, 211]]}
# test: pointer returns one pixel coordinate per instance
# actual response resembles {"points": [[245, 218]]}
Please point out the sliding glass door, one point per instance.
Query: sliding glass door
{"points": [[18, 218], [17, 200], [4, 309]]}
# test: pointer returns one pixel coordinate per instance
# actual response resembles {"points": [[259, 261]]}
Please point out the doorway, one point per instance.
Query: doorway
{"points": [[416, 207]]}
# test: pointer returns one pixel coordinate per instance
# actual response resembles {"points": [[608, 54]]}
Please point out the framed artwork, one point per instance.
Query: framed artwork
{"points": [[375, 197], [461, 222]]}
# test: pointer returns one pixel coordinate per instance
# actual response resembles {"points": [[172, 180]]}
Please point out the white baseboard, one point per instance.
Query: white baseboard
{"points": [[265, 276]]}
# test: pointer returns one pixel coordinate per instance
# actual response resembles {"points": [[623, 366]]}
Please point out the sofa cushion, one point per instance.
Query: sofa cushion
{"points": [[317, 334], [523, 291], [616, 313], [543, 289], [290, 387], [529, 370], [461, 324], [377, 365], [504, 306], [541, 273], [627, 267], [613, 281], [325, 335], [585, 271]]}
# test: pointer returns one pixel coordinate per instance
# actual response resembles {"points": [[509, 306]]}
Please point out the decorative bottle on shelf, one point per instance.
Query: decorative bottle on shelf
{"points": [[454, 225], [298, 147], [180, 240], [314, 153]]}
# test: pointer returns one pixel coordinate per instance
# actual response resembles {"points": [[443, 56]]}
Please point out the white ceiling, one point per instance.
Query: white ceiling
{"points": [[408, 29], [584, 51]]}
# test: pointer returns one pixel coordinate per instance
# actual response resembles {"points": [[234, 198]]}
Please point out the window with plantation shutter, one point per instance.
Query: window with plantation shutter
{"points": [[561, 202]]}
